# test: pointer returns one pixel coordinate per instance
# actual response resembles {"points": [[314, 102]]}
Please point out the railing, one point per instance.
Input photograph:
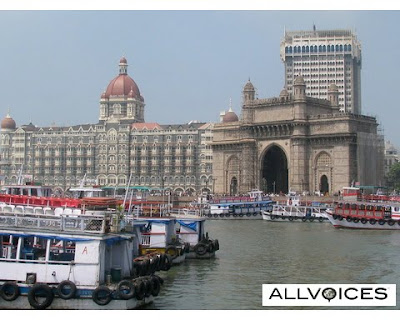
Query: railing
{"points": [[145, 241], [299, 211], [73, 224]]}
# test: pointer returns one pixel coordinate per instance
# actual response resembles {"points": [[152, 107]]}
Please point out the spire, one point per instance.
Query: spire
{"points": [[230, 104], [123, 66]]}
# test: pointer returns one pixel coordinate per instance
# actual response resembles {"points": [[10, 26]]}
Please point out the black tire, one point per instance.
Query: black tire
{"points": [[248, 214], [255, 214], [283, 217], [172, 251], [381, 222], [140, 289], [200, 249], [209, 215], [102, 295], [126, 289], [272, 217], [40, 290], [340, 218], [291, 218], [356, 220], [156, 286], [391, 222], [349, 219], [149, 287], [210, 247], [363, 220], [234, 215], [66, 285], [304, 219], [227, 215], [320, 219], [9, 291], [215, 215], [240, 214], [216, 244], [167, 263], [312, 219], [160, 280], [221, 215], [372, 221], [334, 216]]}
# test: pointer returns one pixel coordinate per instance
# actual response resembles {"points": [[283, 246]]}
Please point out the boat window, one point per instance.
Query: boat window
{"points": [[378, 214], [340, 205], [8, 247], [25, 192], [62, 251], [362, 207], [33, 248], [388, 209], [34, 192], [353, 206], [378, 208], [347, 206], [396, 209], [369, 207]]}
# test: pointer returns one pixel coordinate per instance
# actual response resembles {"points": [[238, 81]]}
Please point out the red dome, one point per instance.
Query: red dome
{"points": [[123, 60], [121, 86], [8, 123], [230, 116]]}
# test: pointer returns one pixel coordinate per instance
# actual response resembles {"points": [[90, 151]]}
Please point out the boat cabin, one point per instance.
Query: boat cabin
{"points": [[190, 230], [368, 210], [27, 190], [80, 193], [156, 234]]}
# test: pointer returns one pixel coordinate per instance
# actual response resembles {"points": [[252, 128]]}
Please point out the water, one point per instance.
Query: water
{"points": [[255, 252]]}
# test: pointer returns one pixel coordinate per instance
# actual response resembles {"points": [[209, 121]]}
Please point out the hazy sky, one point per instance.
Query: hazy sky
{"points": [[55, 65]]}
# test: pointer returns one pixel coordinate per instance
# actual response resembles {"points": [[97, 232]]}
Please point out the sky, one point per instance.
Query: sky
{"points": [[55, 65]]}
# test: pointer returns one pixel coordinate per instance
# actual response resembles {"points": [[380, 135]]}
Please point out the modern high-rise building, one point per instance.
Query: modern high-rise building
{"points": [[323, 57]]}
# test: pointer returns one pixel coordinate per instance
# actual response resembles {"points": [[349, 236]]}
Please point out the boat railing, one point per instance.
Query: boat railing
{"points": [[145, 240], [297, 210], [67, 223]]}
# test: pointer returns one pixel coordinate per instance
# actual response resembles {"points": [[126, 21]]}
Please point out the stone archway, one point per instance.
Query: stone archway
{"points": [[233, 186], [274, 171], [324, 184]]}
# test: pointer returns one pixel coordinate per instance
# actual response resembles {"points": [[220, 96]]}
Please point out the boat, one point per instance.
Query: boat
{"points": [[71, 262], [365, 215], [238, 208], [294, 213], [159, 236], [191, 230]]}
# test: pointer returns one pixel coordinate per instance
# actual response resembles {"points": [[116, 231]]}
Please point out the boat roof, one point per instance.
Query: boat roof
{"points": [[86, 189], [28, 186], [239, 203]]}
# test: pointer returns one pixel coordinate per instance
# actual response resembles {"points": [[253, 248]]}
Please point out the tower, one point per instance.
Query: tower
{"points": [[323, 57]]}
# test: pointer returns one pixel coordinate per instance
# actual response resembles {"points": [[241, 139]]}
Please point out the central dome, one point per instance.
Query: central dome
{"points": [[122, 85]]}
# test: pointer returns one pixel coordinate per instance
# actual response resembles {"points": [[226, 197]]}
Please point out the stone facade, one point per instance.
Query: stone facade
{"points": [[295, 142], [121, 146]]}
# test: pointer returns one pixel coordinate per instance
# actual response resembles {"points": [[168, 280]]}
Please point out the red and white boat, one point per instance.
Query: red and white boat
{"points": [[365, 215]]}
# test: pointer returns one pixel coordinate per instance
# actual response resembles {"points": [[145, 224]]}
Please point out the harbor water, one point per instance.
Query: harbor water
{"points": [[256, 252]]}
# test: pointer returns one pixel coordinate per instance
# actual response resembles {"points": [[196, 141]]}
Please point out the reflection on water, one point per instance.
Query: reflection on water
{"points": [[256, 252]]}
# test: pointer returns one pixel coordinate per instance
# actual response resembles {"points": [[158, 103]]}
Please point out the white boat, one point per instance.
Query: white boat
{"points": [[159, 236], [239, 208], [365, 215], [70, 262], [192, 231], [295, 213]]}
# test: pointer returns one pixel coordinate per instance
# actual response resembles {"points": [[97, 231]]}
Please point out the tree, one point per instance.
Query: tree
{"points": [[393, 177]]}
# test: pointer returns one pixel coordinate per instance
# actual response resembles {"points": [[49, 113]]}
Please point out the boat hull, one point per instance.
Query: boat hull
{"points": [[241, 216], [358, 225], [84, 303], [287, 218]]}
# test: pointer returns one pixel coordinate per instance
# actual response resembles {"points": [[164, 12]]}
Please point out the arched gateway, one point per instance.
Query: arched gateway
{"points": [[274, 171]]}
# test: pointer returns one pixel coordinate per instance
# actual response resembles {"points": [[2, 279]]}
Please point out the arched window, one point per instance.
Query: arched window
{"points": [[307, 49], [295, 50], [349, 47], [341, 48], [345, 47], [323, 160]]}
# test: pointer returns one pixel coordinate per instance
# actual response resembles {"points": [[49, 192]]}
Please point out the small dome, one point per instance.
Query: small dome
{"points": [[123, 60], [29, 126], [248, 86], [230, 116], [103, 95], [299, 81], [333, 87], [8, 123], [284, 93]]}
